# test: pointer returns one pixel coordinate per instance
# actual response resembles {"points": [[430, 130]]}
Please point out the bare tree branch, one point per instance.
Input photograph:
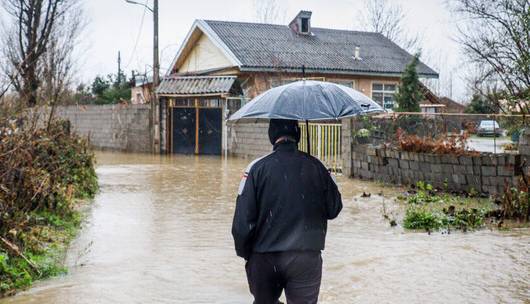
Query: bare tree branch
{"points": [[28, 43], [269, 11], [495, 35], [386, 17]]}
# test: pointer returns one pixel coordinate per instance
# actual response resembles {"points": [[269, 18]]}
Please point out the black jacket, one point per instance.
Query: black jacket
{"points": [[284, 202]]}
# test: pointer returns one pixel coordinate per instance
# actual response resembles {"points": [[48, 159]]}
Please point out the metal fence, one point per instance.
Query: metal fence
{"points": [[494, 133], [325, 140]]}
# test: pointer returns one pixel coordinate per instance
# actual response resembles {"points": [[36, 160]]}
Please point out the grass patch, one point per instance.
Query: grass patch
{"points": [[45, 174], [46, 244], [431, 210]]}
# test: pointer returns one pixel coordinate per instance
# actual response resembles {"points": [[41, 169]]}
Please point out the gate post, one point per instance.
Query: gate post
{"points": [[346, 146], [319, 141]]}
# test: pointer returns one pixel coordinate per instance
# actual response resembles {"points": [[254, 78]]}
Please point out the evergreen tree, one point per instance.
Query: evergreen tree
{"points": [[409, 93], [99, 86], [109, 91], [480, 105]]}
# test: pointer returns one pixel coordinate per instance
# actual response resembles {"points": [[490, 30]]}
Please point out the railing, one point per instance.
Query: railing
{"points": [[492, 133], [325, 142]]}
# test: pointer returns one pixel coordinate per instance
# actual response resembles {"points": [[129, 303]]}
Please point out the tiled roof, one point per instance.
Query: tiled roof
{"points": [[268, 47], [451, 103], [191, 85]]}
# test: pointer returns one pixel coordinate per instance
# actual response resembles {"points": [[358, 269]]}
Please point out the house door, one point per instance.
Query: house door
{"points": [[210, 131], [184, 123], [196, 130]]}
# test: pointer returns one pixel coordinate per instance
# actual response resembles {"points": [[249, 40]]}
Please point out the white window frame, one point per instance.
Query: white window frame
{"points": [[352, 82], [385, 92]]}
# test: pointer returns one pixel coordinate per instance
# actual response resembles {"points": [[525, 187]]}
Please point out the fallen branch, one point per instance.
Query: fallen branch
{"points": [[14, 248]]}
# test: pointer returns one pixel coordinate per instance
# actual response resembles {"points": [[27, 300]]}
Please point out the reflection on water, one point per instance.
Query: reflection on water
{"points": [[159, 232]]}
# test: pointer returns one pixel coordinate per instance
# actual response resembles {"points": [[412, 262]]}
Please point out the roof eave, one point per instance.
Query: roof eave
{"points": [[331, 71], [223, 95]]}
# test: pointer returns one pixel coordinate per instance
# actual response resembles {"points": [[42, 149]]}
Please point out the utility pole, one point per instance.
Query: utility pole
{"points": [[156, 63], [119, 68], [155, 125], [156, 81]]}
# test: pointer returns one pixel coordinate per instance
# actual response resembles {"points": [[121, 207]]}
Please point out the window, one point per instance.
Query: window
{"points": [[383, 94], [210, 103], [344, 82], [183, 102], [305, 25], [278, 81], [233, 105], [429, 110]]}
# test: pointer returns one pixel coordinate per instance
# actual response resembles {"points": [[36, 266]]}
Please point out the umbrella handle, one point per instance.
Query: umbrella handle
{"points": [[307, 135]]}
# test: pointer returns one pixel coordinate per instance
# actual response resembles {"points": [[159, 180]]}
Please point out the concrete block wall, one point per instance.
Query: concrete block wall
{"points": [[524, 142], [485, 173], [114, 127], [249, 139], [524, 149]]}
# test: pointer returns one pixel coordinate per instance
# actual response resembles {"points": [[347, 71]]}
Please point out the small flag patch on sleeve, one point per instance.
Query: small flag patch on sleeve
{"points": [[242, 183]]}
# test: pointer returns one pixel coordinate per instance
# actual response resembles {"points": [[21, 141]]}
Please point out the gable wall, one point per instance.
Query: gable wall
{"points": [[204, 56]]}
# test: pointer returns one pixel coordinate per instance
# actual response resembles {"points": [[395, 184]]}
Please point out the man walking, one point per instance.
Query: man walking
{"points": [[284, 202]]}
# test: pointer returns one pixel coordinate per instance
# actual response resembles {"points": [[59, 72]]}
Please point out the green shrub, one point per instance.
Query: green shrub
{"points": [[516, 202], [44, 171], [420, 218], [431, 210], [362, 133]]}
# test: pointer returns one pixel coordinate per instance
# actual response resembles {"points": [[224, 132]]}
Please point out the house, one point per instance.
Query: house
{"points": [[452, 106], [431, 104], [222, 64], [141, 91], [434, 104]]}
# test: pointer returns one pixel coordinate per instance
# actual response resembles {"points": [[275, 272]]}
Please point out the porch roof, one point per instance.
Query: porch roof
{"points": [[195, 85]]}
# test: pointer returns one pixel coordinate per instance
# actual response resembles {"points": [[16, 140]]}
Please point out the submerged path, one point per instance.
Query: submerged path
{"points": [[159, 232]]}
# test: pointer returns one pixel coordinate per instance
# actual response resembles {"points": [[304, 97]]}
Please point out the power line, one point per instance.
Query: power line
{"points": [[133, 53]]}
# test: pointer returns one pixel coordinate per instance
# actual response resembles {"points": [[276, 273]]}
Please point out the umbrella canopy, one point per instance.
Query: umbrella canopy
{"points": [[308, 100]]}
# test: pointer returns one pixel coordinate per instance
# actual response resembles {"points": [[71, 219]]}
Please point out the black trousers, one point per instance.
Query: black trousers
{"points": [[299, 273]]}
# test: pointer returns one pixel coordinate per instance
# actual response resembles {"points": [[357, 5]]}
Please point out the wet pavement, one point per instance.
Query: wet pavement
{"points": [[159, 232], [488, 144]]}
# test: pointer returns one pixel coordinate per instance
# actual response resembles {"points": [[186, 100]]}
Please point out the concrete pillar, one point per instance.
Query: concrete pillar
{"points": [[346, 146], [524, 149]]}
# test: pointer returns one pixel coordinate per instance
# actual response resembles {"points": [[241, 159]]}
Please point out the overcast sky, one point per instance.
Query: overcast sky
{"points": [[115, 26]]}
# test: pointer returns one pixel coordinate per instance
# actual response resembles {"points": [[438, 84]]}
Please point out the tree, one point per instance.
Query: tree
{"points": [[269, 11], [480, 105], [58, 64], [29, 45], [99, 85], [108, 90], [385, 17], [495, 36], [409, 93]]}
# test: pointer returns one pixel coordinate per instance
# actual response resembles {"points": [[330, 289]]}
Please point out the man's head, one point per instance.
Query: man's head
{"points": [[283, 128]]}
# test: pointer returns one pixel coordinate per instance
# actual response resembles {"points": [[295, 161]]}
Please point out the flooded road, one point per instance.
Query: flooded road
{"points": [[159, 232]]}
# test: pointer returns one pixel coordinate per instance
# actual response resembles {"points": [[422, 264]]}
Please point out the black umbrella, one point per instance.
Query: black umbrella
{"points": [[308, 100]]}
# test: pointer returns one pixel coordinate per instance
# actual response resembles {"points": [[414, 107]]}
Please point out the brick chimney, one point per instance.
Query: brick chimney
{"points": [[301, 24]]}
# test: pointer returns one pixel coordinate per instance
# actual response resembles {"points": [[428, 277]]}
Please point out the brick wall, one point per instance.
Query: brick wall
{"points": [[249, 139], [485, 173], [115, 127]]}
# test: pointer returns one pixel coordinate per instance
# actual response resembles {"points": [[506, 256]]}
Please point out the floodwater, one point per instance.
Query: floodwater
{"points": [[159, 232]]}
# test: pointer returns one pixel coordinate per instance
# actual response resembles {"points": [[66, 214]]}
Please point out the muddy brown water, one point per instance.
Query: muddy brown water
{"points": [[159, 232]]}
